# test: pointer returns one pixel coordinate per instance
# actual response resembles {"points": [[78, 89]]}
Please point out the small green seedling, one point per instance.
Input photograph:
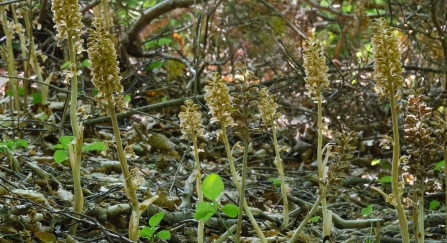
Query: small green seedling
{"points": [[315, 219], [212, 188], [12, 145], [61, 154], [276, 182], [434, 204], [149, 231], [385, 179], [8, 148], [383, 164], [440, 165], [368, 210]]}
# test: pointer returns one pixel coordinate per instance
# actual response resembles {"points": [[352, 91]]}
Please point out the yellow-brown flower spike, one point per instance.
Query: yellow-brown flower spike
{"points": [[316, 69], [104, 65], [387, 64], [190, 119], [218, 100], [267, 107], [67, 17]]}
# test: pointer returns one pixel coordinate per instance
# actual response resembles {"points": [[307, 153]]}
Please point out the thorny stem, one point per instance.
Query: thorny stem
{"points": [[129, 187], [238, 187], [279, 167], [198, 185], [75, 159]]}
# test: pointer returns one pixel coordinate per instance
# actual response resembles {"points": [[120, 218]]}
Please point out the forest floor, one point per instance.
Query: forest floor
{"points": [[36, 192]]}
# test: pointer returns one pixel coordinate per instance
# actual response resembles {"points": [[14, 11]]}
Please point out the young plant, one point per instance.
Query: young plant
{"points": [[218, 101], [212, 188], [389, 80], [106, 78], [8, 148], [191, 124], [61, 154], [150, 231], [268, 107]]}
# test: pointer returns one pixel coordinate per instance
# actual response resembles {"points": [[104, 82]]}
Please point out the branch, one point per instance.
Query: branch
{"points": [[176, 102], [133, 35]]}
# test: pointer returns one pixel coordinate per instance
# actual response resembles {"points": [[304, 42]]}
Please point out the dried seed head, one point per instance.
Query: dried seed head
{"points": [[218, 100], [267, 107], [105, 71], [316, 69], [190, 119], [387, 64]]}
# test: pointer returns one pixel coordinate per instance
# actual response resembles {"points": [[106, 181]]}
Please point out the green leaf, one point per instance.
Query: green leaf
{"points": [[57, 146], [367, 210], [212, 186], [147, 232], [21, 143], [21, 91], [9, 92], [434, 204], [95, 92], [137, 148], [186, 16], [66, 64], [10, 144], [157, 42], [439, 165], [59, 156], [164, 235], [204, 211], [375, 161], [276, 182], [156, 219], [385, 179], [86, 63], [127, 98], [230, 210], [315, 219], [156, 64], [3, 148], [65, 140], [37, 98], [99, 146]]}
